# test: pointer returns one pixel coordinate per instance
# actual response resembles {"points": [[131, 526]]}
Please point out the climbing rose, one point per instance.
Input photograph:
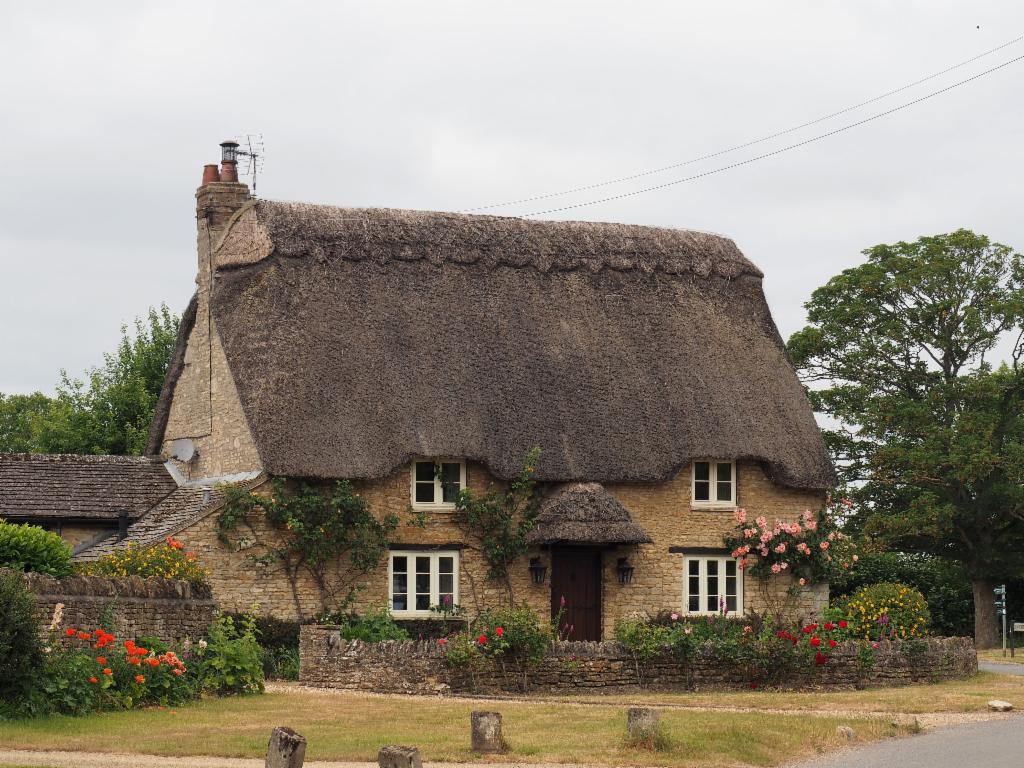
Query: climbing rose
{"points": [[815, 641], [832, 643]]}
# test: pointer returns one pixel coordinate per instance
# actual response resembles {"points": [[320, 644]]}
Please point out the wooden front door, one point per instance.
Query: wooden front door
{"points": [[576, 577]]}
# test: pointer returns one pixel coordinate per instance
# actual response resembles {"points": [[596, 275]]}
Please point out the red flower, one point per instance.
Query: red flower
{"points": [[134, 660], [153, 662], [809, 628], [815, 641], [107, 671], [753, 686], [140, 679], [442, 641], [482, 639], [93, 680], [140, 650], [832, 643], [101, 661], [820, 658], [830, 626], [843, 624], [84, 636], [70, 631], [499, 631]]}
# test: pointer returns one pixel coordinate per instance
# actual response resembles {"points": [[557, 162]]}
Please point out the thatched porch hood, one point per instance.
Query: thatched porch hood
{"points": [[359, 338], [584, 514]]}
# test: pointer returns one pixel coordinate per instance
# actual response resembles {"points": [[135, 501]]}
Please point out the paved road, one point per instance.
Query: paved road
{"points": [[995, 743], [1003, 669]]}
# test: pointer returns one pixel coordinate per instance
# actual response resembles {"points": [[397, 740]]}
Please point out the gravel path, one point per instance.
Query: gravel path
{"points": [[1003, 669]]}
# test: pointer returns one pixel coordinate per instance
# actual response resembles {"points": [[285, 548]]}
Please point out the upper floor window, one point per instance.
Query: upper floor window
{"points": [[714, 484], [437, 483]]}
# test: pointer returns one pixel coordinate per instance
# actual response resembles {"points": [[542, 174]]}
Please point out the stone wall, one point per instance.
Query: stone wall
{"points": [[663, 510], [414, 667], [164, 608]]}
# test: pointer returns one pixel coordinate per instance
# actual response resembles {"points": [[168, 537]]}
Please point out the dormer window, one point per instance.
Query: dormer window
{"points": [[714, 484], [436, 484]]}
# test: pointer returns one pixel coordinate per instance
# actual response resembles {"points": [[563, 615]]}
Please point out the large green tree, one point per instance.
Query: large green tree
{"points": [[915, 354], [107, 413]]}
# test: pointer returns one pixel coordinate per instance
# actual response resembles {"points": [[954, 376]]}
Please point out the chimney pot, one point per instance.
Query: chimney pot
{"points": [[229, 160], [210, 174]]}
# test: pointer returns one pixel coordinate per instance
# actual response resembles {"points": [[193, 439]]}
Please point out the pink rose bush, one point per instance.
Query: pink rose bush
{"points": [[810, 548]]}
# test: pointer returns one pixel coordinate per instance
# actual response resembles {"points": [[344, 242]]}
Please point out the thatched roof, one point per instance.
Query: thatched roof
{"points": [[585, 513], [35, 486], [359, 338]]}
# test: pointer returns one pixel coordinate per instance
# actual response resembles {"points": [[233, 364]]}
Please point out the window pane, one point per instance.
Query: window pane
{"points": [[701, 491], [425, 493], [422, 583], [712, 603], [399, 564], [450, 486], [446, 565], [730, 603], [730, 567], [694, 567], [694, 589], [724, 472], [712, 568], [701, 470], [399, 584], [445, 586], [694, 605], [724, 491], [424, 471], [422, 602]]}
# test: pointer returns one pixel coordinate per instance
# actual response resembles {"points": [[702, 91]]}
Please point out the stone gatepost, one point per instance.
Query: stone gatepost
{"points": [[286, 749], [642, 725], [485, 730], [395, 756]]}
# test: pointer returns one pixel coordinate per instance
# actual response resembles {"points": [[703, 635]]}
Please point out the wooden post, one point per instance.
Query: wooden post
{"points": [[286, 749], [485, 732]]}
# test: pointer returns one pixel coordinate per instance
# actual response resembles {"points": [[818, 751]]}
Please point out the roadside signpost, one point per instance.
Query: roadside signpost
{"points": [[1015, 627], [1000, 593]]}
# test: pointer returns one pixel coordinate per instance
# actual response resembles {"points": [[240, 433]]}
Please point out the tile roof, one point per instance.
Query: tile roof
{"points": [[75, 487]]}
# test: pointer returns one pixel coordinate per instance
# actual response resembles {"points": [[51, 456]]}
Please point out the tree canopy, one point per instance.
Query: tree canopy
{"points": [[107, 413], [915, 354]]}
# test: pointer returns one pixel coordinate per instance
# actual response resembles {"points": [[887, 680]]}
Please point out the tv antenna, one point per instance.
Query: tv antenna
{"points": [[254, 153]]}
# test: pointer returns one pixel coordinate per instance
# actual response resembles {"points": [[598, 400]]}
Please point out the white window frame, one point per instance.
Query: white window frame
{"points": [[435, 598], [713, 502], [438, 486], [702, 594]]}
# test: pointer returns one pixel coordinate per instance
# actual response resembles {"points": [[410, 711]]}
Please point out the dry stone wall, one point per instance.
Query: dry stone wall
{"points": [[163, 608], [419, 667]]}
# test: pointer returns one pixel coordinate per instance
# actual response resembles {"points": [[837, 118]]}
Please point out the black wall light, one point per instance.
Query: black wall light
{"points": [[537, 571], [625, 570]]}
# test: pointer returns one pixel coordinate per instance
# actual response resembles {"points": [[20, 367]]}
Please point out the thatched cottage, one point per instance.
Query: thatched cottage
{"points": [[373, 344]]}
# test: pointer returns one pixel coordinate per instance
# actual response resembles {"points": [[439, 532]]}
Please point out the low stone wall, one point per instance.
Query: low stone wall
{"points": [[419, 667], [164, 608]]}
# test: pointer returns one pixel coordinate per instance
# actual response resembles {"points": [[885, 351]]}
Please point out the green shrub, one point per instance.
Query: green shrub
{"points": [[644, 640], [374, 626], [279, 643], [21, 656], [886, 610], [30, 548], [229, 659], [947, 585], [515, 633]]}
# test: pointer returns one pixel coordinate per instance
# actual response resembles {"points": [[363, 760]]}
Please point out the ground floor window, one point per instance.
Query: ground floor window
{"points": [[709, 583], [420, 580]]}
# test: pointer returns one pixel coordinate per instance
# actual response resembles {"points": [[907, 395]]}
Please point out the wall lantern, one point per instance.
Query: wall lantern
{"points": [[537, 571], [625, 570]]}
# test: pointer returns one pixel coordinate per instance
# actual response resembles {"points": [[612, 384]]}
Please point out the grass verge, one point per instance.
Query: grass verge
{"points": [[354, 727], [969, 695]]}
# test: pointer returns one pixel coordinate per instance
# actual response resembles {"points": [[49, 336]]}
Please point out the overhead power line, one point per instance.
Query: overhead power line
{"points": [[744, 145], [779, 151]]}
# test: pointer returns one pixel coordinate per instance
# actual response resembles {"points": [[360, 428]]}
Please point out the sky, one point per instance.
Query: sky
{"points": [[108, 111]]}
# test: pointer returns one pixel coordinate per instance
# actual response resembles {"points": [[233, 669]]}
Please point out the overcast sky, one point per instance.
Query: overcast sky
{"points": [[108, 112]]}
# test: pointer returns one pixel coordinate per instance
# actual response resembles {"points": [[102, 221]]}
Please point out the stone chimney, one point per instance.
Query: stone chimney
{"points": [[217, 199]]}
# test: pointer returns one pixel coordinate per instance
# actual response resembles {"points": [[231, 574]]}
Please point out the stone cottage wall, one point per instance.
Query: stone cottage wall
{"points": [[663, 510], [164, 608], [414, 667]]}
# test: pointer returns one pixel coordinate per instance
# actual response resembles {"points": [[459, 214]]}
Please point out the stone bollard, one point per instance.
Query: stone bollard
{"points": [[642, 725], [395, 756], [485, 730], [286, 749]]}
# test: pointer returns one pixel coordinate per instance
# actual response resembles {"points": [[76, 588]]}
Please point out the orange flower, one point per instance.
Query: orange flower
{"points": [[153, 662], [101, 661], [140, 679], [134, 660], [84, 636], [177, 673], [107, 671], [93, 680], [70, 631]]}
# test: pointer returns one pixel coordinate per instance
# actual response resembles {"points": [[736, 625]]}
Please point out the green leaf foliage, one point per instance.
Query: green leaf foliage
{"points": [[26, 547], [928, 431], [107, 413], [20, 652]]}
